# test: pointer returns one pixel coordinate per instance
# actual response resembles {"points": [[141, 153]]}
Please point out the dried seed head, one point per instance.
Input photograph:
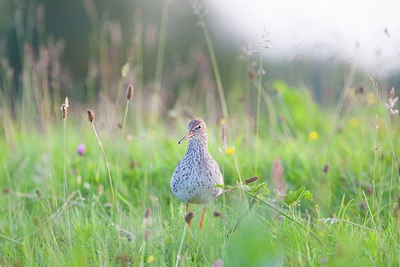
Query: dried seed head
{"points": [[129, 92], [189, 217], [326, 168], [147, 233], [216, 213], [36, 220], [250, 180], [392, 93], [6, 190], [64, 108], [90, 115], [147, 213], [38, 193], [360, 90], [252, 73]]}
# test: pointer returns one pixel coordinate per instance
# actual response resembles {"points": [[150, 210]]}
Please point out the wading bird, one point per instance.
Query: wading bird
{"points": [[197, 173]]}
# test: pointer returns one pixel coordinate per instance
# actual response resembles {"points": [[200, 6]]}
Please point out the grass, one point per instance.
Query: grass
{"points": [[355, 193], [340, 179]]}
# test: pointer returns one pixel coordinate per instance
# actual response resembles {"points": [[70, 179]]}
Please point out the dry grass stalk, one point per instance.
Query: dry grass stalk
{"points": [[91, 120]]}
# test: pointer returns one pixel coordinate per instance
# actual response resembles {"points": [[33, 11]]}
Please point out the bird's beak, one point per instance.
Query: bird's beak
{"points": [[188, 135]]}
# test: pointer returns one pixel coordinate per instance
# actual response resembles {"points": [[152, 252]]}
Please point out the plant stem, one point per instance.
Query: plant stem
{"points": [[119, 147], [258, 112], [108, 169], [66, 188], [180, 247], [214, 65]]}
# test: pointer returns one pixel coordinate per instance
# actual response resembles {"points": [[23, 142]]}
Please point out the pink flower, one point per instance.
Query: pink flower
{"points": [[81, 149]]}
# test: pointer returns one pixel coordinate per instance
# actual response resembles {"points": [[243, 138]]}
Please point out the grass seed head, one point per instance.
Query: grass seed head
{"points": [[6, 190], [36, 220], [326, 168], [147, 213], [129, 92], [90, 115], [251, 180], [64, 108], [38, 193], [216, 213], [189, 217]]}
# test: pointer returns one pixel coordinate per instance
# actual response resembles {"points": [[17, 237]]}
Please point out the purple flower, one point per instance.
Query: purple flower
{"points": [[81, 149], [219, 263]]}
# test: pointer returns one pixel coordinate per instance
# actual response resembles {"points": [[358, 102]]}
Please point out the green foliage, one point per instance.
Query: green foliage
{"points": [[297, 196]]}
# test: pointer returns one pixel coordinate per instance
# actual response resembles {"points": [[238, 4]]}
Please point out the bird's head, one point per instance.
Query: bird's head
{"points": [[197, 129]]}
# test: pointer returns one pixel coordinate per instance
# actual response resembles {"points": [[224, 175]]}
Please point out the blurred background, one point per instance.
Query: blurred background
{"points": [[89, 50]]}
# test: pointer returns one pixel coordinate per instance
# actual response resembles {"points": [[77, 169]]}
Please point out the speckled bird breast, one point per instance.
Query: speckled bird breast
{"points": [[196, 175]]}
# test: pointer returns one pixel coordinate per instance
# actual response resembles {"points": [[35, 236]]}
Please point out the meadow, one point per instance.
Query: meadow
{"points": [[328, 187]]}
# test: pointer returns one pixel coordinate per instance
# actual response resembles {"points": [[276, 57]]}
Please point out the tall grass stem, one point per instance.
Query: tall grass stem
{"points": [[215, 66]]}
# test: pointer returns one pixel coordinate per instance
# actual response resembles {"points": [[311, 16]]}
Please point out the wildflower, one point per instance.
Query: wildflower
{"points": [[219, 263], [353, 122], [150, 259], [391, 102], [230, 150], [316, 206], [224, 145], [81, 149], [313, 135], [371, 99]]}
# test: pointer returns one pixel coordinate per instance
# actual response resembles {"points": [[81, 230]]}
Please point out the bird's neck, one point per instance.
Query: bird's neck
{"points": [[198, 145]]}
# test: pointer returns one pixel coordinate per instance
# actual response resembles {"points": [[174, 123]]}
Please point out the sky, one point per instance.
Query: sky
{"points": [[365, 33]]}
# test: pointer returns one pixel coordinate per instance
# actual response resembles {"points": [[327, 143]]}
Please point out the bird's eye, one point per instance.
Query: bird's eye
{"points": [[199, 127]]}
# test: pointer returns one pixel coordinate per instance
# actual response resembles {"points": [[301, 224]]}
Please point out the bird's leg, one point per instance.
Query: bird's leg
{"points": [[187, 212], [202, 217]]}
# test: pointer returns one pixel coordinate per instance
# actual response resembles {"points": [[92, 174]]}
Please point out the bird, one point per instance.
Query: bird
{"points": [[195, 177]]}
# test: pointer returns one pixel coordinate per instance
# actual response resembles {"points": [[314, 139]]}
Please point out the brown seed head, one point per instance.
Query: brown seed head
{"points": [[392, 93], [252, 73], [129, 92], [216, 213], [189, 217], [6, 190], [360, 90], [250, 180], [64, 108], [38, 193], [36, 220], [147, 213], [90, 115], [326, 168]]}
